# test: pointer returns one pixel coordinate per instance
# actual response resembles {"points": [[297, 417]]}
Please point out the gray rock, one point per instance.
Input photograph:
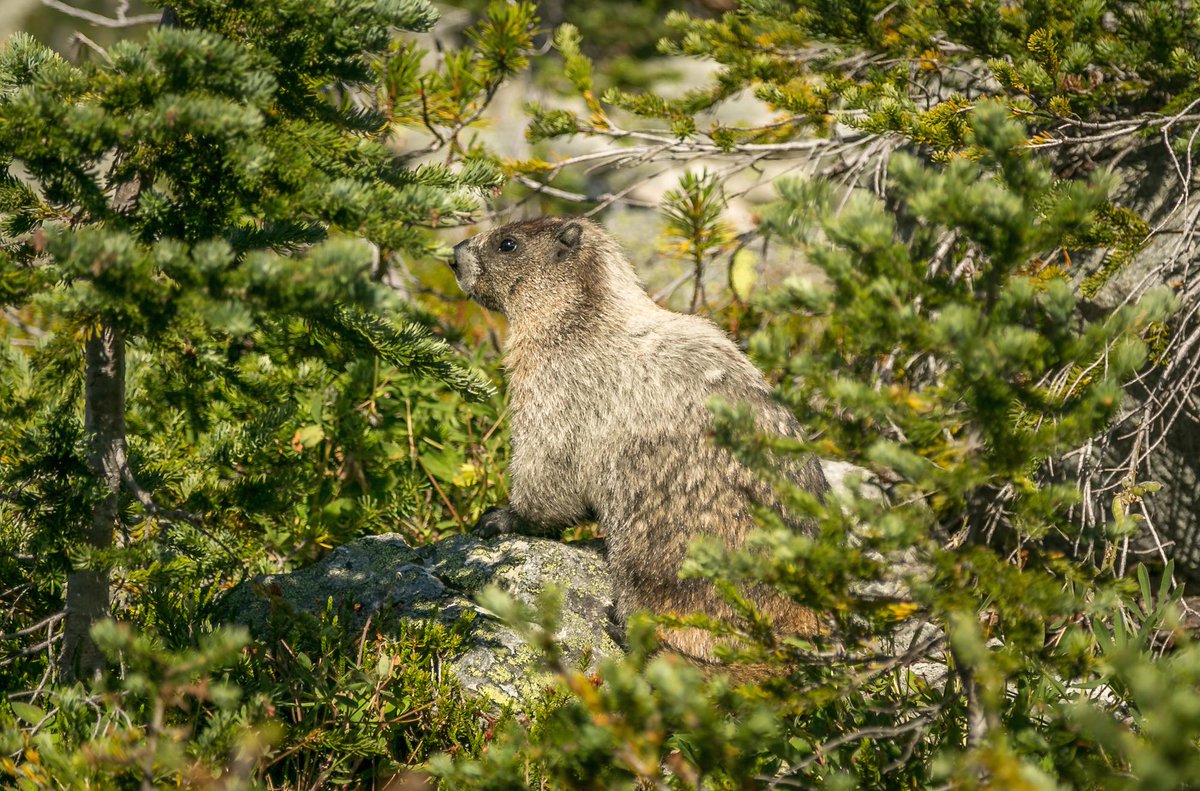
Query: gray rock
{"points": [[1169, 451], [440, 582], [846, 480]]}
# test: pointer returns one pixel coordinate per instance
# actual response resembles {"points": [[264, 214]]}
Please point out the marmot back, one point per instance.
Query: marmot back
{"points": [[608, 416]]}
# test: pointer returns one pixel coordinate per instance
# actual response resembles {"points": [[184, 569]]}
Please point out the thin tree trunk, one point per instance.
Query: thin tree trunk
{"points": [[104, 420]]}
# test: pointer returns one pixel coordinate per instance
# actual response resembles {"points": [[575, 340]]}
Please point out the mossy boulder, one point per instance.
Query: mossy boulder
{"points": [[385, 578]]}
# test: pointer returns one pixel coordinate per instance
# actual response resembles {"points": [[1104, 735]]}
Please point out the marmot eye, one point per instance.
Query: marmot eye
{"points": [[507, 245]]}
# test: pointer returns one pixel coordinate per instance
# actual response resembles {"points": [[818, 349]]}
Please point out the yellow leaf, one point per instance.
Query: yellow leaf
{"points": [[743, 273], [468, 475], [1040, 139], [534, 165], [901, 610], [307, 436]]}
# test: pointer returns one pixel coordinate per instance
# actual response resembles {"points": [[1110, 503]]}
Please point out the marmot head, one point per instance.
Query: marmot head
{"points": [[524, 266]]}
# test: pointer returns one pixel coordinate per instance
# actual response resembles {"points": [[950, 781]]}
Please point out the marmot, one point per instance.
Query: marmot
{"points": [[608, 418]]}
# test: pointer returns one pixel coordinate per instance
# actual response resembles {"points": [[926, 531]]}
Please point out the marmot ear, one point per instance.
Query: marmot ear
{"points": [[568, 239]]}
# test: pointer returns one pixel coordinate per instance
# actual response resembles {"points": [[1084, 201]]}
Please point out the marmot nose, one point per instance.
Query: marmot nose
{"points": [[458, 248]]}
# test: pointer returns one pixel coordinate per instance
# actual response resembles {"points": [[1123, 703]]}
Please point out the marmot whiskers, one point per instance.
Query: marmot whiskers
{"points": [[608, 416]]}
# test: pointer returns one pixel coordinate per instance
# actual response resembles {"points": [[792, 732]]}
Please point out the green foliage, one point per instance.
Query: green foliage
{"points": [[692, 219], [1046, 54], [308, 702], [639, 720], [451, 97], [88, 739], [360, 706], [620, 34]]}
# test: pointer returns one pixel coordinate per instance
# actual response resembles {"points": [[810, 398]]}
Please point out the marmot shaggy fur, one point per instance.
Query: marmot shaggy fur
{"points": [[608, 416]]}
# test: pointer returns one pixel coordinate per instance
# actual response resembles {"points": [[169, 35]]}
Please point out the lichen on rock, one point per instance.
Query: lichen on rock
{"points": [[383, 575]]}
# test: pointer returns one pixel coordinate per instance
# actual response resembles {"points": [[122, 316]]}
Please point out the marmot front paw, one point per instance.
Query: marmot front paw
{"points": [[497, 521]]}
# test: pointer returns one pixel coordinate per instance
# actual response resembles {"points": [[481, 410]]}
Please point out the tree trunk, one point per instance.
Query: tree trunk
{"points": [[104, 420]]}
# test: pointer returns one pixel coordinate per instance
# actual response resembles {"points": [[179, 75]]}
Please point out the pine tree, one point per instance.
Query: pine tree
{"points": [[196, 218]]}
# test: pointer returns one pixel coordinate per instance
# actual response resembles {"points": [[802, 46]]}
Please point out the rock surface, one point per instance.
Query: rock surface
{"points": [[440, 582], [1148, 181]]}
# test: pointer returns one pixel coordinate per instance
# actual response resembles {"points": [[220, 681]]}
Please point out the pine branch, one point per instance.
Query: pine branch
{"points": [[409, 347], [172, 515]]}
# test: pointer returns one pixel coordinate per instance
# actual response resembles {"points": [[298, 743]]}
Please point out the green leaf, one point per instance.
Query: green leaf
{"points": [[31, 714]]}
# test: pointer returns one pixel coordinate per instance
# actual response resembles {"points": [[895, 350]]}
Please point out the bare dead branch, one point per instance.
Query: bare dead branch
{"points": [[23, 325], [50, 621], [119, 21]]}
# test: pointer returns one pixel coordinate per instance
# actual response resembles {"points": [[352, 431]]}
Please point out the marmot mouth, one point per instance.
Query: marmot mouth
{"points": [[454, 256]]}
